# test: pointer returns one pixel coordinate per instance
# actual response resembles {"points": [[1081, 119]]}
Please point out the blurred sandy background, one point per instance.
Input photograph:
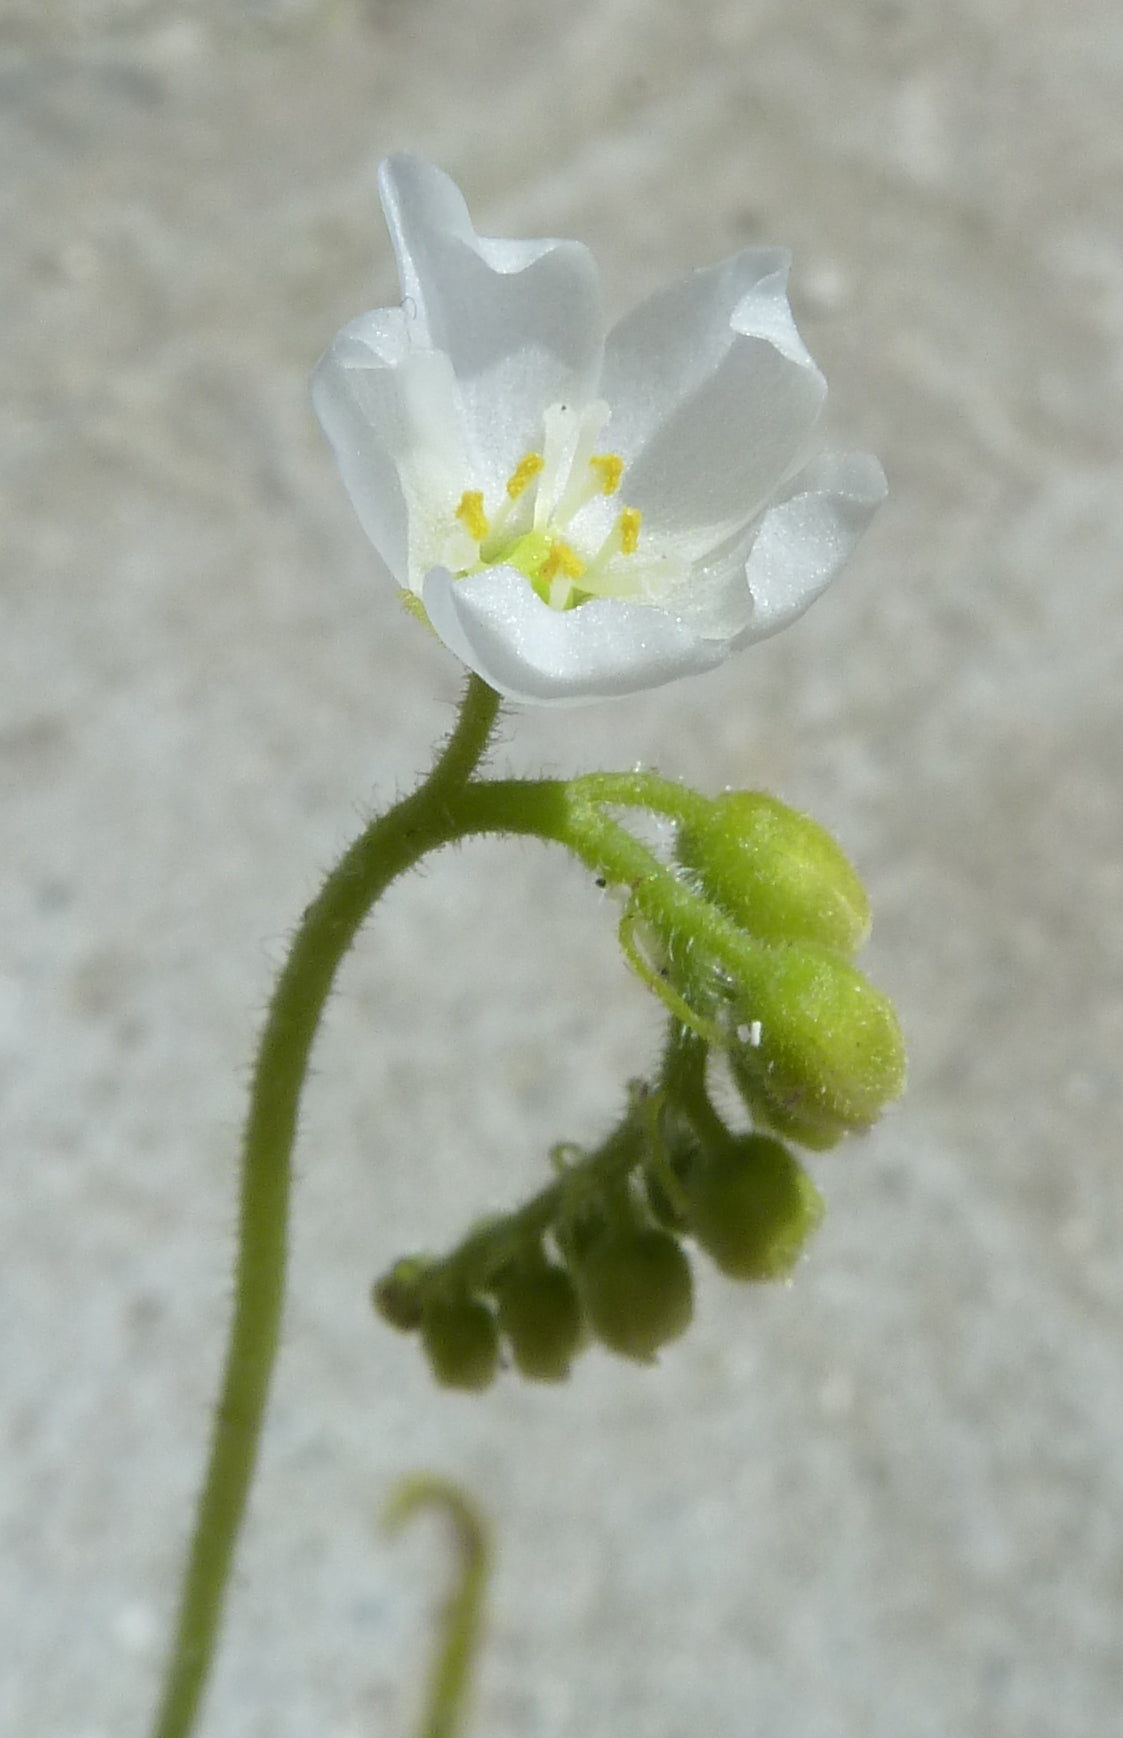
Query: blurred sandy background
{"points": [[885, 1503]]}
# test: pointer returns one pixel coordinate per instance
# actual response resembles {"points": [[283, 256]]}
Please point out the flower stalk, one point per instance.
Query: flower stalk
{"points": [[388, 847]]}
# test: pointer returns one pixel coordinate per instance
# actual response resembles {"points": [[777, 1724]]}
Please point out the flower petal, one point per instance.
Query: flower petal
{"points": [[805, 539], [393, 420], [520, 320], [500, 628], [661, 352], [714, 396]]}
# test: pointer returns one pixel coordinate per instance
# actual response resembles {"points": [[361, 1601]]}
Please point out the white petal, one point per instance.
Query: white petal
{"points": [[521, 320], [713, 395], [662, 351], [807, 538], [393, 420], [499, 627]]}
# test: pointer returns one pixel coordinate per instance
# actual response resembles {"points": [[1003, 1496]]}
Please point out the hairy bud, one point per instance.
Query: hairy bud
{"points": [[541, 1318], [397, 1295], [776, 872], [637, 1290], [461, 1342], [826, 1054], [752, 1208]]}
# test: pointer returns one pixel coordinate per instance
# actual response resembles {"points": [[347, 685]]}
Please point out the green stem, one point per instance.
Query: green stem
{"points": [[570, 812], [642, 790], [449, 805], [684, 1077], [462, 1618], [474, 1263], [390, 845]]}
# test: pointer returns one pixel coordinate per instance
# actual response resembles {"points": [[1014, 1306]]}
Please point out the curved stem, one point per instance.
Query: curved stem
{"points": [[642, 790], [684, 1076], [564, 811], [462, 1617], [390, 845]]}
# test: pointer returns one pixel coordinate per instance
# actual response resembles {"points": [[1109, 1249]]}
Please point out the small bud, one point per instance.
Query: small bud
{"points": [[776, 872], [828, 1055], [637, 1290], [541, 1318], [397, 1295], [461, 1342], [752, 1208]]}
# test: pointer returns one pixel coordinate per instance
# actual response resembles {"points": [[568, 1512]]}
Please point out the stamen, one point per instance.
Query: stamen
{"points": [[609, 468], [561, 560], [628, 526], [524, 474], [557, 573], [472, 516], [623, 539]]}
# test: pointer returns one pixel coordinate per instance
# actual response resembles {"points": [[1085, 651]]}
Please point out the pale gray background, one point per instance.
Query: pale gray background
{"points": [[884, 1503]]}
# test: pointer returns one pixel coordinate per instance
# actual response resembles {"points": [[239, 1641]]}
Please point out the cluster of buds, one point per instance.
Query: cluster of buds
{"points": [[748, 937], [815, 1049], [599, 1256]]}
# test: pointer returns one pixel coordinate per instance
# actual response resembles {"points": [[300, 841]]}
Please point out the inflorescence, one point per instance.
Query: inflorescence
{"points": [[748, 937]]}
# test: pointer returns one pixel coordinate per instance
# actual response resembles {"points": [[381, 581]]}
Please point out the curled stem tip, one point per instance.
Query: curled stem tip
{"points": [[461, 1619]]}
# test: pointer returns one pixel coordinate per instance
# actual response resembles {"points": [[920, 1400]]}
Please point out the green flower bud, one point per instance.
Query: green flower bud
{"points": [[825, 1055], [637, 1290], [776, 872], [541, 1318], [397, 1295], [461, 1342], [752, 1208]]}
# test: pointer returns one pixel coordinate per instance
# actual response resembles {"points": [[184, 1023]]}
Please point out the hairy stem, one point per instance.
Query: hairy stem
{"points": [[462, 1617], [451, 804], [390, 845]]}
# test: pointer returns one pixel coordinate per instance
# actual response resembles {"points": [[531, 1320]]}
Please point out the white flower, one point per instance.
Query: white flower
{"points": [[579, 515]]}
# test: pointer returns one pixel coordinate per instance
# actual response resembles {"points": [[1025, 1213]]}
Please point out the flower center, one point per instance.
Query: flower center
{"points": [[538, 526]]}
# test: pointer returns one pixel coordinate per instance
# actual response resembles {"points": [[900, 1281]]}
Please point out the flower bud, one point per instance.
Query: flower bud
{"points": [[461, 1342], [397, 1295], [752, 1208], [637, 1290], [541, 1318], [827, 1054], [776, 872]]}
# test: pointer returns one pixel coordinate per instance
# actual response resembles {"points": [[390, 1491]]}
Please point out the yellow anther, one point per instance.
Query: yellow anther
{"points": [[561, 560], [609, 468], [472, 516], [524, 474], [628, 525]]}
